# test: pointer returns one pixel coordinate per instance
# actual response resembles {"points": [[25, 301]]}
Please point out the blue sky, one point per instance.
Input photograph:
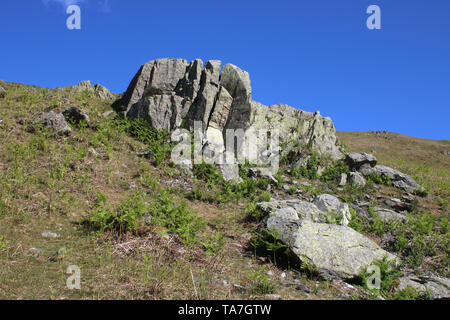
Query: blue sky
{"points": [[311, 54]]}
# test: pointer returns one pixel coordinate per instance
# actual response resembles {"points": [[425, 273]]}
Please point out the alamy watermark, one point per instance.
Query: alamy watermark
{"points": [[73, 22], [229, 147], [374, 20], [74, 281]]}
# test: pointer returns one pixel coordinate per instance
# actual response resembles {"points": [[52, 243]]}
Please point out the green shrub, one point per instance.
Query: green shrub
{"points": [[214, 244], [266, 242], [177, 217], [333, 173], [260, 283]]}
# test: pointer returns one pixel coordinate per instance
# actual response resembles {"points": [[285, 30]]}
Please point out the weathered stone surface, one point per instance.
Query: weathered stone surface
{"points": [[161, 111], [103, 93], [357, 160], [221, 110], [334, 250], [98, 89], [331, 204], [53, 121], [2, 90], [325, 208], [357, 179], [293, 210], [388, 215], [204, 103], [75, 114], [169, 93], [437, 287], [399, 179], [343, 180], [397, 204]]}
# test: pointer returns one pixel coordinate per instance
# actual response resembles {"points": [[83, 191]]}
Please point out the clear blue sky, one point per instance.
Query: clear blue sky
{"points": [[311, 54]]}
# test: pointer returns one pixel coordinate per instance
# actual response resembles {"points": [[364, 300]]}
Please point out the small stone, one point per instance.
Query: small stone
{"points": [[108, 113], [240, 287], [50, 235], [273, 296], [147, 219], [343, 180], [34, 252]]}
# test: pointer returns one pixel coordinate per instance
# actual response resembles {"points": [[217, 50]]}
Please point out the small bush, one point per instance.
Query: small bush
{"points": [[260, 283]]}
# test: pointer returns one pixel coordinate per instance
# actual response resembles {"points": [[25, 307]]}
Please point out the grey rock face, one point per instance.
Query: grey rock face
{"points": [[399, 179], [331, 204], [165, 92], [2, 90], [397, 204], [388, 215], [98, 89], [357, 179], [357, 160], [437, 287], [53, 121], [75, 114], [334, 250]]}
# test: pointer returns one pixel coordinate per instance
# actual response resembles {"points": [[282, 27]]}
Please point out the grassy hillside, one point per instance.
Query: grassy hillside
{"points": [[138, 228]]}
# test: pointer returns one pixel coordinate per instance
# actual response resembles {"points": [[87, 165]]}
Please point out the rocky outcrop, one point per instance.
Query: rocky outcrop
{"points": [[172, 93], [99, 90], [361, 161]]}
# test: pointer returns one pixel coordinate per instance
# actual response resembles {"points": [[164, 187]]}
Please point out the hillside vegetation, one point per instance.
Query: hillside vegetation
{"points": [[113, 204]]}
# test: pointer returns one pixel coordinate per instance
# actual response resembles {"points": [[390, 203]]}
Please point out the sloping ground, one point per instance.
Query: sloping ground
{"points": [[138, 228], [55, 184], [423, 159]]}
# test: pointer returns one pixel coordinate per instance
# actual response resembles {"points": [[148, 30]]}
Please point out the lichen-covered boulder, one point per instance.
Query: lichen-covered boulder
{"points": [[333, 250], [53, 121]]}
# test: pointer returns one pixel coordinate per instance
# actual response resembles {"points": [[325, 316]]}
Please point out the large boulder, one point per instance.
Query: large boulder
{"points": [[399, 179], [362, 162], [76, 115], [54, 122], [316, 237], [333, 250]]}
